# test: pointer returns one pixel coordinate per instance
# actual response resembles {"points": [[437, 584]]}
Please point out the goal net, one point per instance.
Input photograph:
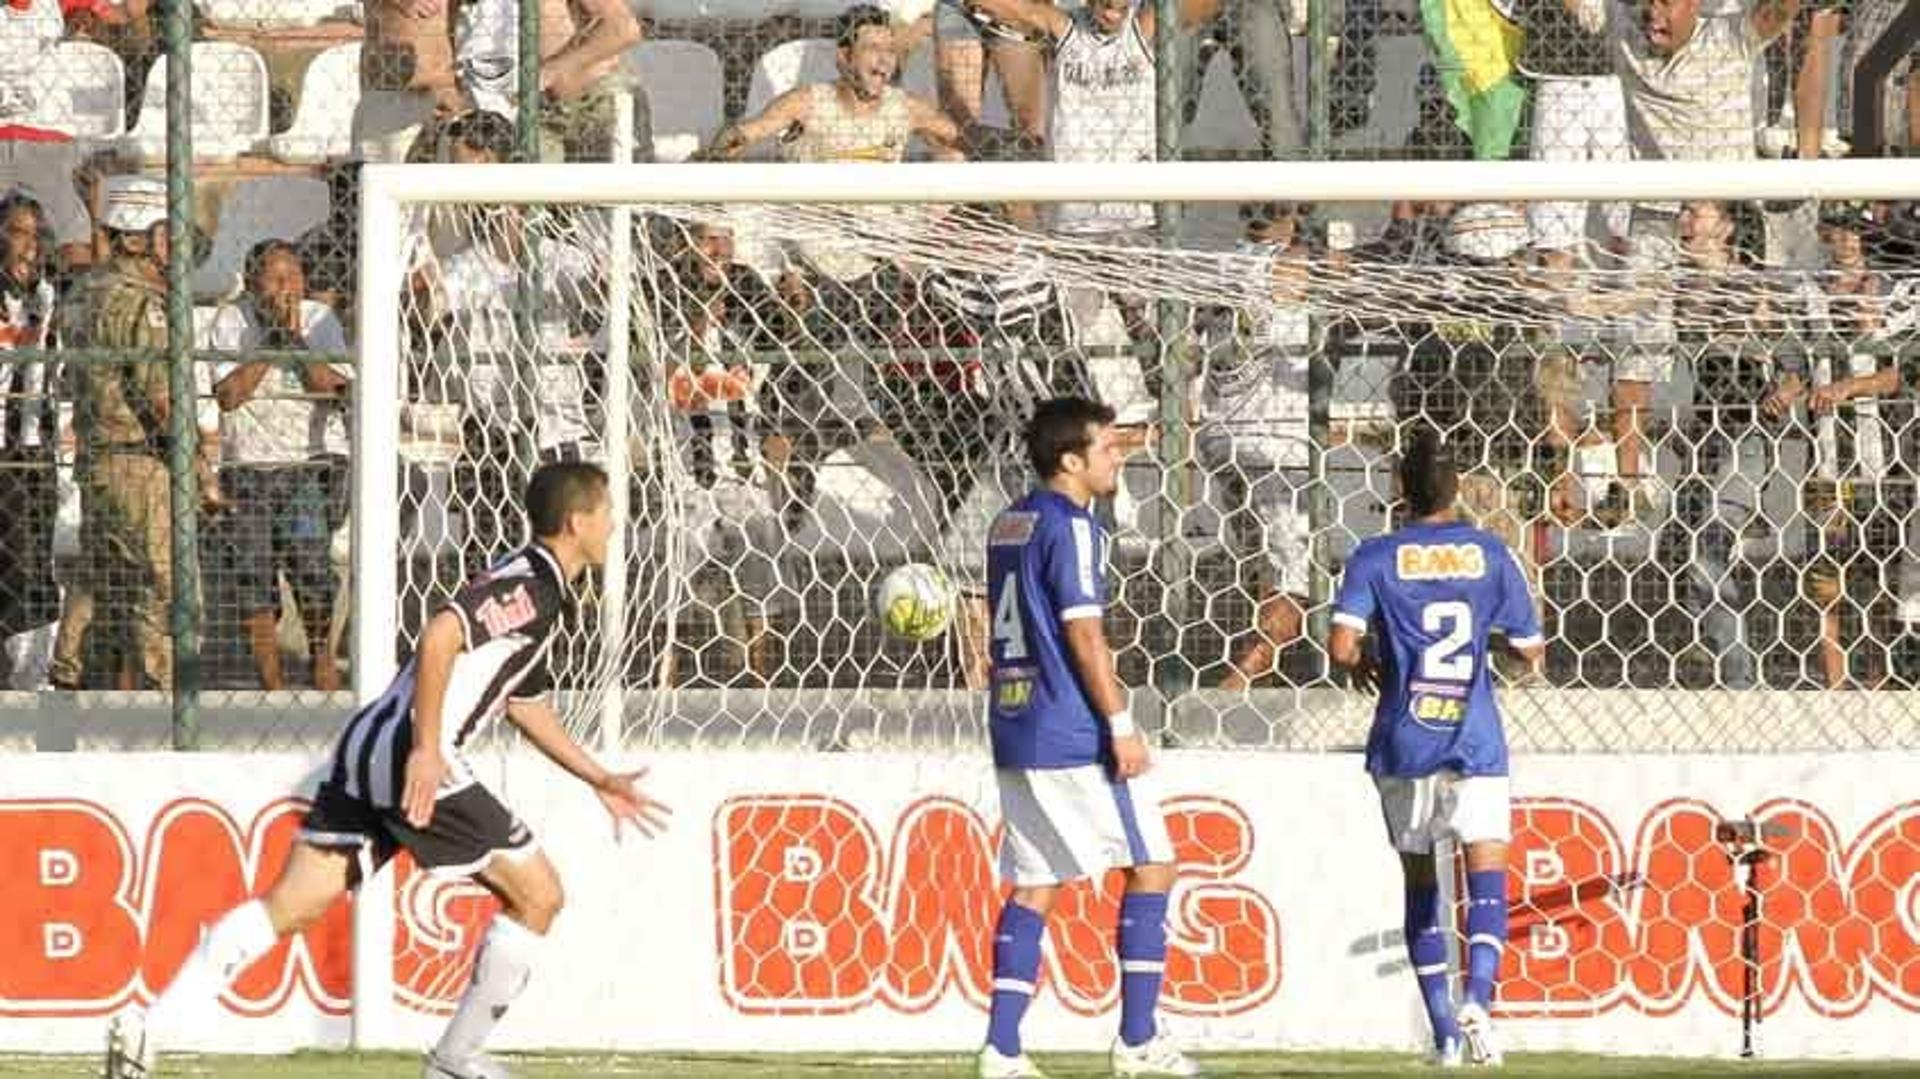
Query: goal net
{"points": [[806, 395], [1693, 423]]}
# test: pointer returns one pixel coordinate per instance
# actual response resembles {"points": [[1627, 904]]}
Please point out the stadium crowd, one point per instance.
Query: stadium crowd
{"points": [[1694, 420]]}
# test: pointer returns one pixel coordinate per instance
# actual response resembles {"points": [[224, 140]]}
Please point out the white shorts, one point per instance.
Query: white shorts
{"points": [[1466, 809], [1065, 824]]}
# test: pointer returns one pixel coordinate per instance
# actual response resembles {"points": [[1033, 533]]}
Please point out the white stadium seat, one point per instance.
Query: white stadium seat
{"points": [[273, 14], [1398, 59], [322, 125], [280, 207], [787, 65], [1224, 122], [230, 104], [89, 97], [685, 94]]}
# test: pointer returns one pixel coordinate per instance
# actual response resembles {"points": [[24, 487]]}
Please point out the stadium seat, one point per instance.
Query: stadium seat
{"points": [[322, 125], [280, 207], [710, 10], [273, 14], [230, 104], [1223, 121], [1396, 100], [684, 85], [787, 65], [89, 97]]}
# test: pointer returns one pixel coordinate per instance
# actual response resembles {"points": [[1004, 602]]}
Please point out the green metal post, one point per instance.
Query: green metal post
{"points": [[525, 361], [1320, 365], [1173, 562], [183, 388], [1319, 81], [527, 127]]}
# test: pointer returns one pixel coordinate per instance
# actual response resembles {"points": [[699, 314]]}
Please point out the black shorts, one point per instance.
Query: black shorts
{"points": [[468, 828]]}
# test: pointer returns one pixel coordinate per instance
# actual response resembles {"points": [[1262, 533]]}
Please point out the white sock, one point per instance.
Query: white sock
{"points": [[241, 936], [499, 974]]}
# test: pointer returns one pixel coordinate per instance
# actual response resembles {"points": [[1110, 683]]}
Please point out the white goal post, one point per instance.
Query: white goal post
{"points": [[388, 191]]}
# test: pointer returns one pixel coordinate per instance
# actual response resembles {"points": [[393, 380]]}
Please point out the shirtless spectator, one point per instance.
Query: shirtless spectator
{"points": [[580, 46], [406, 77], [443, 58], [841, 292]]}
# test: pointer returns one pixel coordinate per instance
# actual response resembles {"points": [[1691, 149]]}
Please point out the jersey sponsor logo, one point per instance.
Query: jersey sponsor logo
{"points": [[1435, 709], [503, 615], [1440, 561], [1012, 528], [1013, 689], [903, 921]]}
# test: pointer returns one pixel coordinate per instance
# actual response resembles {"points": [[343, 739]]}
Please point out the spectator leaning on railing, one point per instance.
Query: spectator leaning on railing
{"points": [[284, 459]]}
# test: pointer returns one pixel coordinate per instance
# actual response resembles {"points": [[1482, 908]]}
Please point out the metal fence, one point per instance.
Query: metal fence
{"points": [[257, 114]]}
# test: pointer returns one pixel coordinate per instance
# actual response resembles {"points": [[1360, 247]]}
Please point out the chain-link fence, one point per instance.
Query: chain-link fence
{"points": [[193, 593]]}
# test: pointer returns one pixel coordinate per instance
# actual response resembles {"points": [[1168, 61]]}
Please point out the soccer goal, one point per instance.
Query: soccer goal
{"points": [[1675, 389]]}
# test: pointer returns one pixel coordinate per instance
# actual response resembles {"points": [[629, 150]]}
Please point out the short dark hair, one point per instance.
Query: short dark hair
{"points": [[1060, 426], [1429, 481], [488, 132], [559, 490], [846, 29], [258, 255]]}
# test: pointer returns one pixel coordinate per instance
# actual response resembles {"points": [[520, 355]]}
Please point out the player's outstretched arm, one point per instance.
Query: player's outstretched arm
{"points": [[1093, 662], [426, 765], [619, 792]]}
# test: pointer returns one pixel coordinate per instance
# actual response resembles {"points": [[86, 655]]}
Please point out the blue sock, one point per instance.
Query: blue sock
{"points": [[1143, 961], [1427, 948], [1486, 932], [1016, 966]]}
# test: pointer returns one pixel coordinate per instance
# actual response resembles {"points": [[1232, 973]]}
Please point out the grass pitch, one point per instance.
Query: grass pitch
{"points": [[1058, 1066]]}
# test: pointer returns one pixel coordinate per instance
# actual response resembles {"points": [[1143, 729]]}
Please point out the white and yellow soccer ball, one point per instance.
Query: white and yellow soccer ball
{"points": [[915, 601]]}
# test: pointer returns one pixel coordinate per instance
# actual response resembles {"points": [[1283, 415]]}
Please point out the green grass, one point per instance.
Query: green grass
{"points": [[1059, 1066]]}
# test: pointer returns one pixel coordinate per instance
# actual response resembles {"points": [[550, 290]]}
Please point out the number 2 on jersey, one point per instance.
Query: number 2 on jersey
{"points": [[1449, 658], [1008, 629]]}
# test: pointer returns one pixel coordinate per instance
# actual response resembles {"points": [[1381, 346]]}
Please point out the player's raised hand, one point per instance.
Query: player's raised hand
{"points": [[1130, 756], [425, 770], [620, 792]]}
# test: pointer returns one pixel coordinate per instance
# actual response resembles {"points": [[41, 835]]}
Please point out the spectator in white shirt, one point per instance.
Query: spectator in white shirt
{"points": [[1689, 81], [284, 458]]}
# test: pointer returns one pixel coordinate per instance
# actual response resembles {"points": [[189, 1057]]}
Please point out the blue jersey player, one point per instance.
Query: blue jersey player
{"points": [[1069, 763], [1431, 594]]}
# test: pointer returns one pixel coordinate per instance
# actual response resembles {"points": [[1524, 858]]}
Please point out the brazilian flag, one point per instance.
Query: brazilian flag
{"points": [[1475, 45]]}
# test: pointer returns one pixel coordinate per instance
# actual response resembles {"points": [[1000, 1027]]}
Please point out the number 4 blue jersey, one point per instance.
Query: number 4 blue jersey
{"points": [[1045, 568], [1433, 594]]}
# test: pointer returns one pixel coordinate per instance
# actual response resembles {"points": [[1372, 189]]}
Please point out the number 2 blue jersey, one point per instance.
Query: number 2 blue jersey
{"points": [[1433, 593], [1045, 568]]}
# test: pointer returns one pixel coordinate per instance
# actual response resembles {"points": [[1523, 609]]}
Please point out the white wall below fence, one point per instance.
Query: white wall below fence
{"points": [[843, 901]]}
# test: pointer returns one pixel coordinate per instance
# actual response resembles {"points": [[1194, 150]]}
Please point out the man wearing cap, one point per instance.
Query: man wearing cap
{"points": [[35, 156], [121, 411]]}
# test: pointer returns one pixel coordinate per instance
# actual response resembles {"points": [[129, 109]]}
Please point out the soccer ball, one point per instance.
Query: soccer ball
{"points": [[915, 601]]}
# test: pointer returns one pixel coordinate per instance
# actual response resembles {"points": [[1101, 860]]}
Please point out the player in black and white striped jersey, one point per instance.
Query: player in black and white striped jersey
{"points": [[399, 781]]}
